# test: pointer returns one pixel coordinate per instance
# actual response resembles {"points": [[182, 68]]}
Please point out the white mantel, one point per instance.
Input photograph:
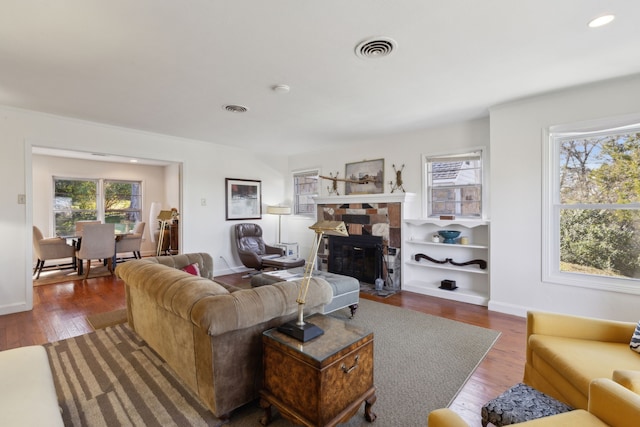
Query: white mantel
{"points": [[366, 198]]}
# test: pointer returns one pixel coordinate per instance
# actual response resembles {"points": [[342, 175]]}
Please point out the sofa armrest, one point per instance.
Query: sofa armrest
{"points": [[273, 250], [445, 417], [249, 307], [613, 404]]}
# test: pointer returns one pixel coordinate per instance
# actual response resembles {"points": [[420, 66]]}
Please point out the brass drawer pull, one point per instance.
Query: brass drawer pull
{"points": [[355, 365]]}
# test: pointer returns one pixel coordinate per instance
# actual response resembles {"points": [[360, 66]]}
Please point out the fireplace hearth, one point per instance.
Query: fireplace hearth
{"points": [[358, 256]]}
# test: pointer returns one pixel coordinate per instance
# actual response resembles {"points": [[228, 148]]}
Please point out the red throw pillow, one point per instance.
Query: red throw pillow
{"points": [[192, 269]]}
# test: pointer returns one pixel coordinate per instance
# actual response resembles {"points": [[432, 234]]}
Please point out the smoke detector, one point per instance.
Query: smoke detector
{"points": [[377, 47], [232, 108]]}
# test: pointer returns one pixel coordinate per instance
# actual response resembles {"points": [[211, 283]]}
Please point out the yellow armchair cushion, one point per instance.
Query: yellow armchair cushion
{"points": [[579, 361]]}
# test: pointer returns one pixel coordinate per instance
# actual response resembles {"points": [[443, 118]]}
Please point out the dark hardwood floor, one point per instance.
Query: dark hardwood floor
{"points": [[60, 312]]}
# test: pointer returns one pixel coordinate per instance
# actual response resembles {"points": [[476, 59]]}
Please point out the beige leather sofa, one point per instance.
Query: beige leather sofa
{"points": [[28, 393], [209, 334]]}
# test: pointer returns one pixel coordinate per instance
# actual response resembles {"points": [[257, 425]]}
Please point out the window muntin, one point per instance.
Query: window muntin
{"points": [[111, 201], [305, 188], [454, 184], [594, 214]]}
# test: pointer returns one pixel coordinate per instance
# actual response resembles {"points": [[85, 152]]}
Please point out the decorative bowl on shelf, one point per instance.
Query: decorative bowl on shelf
{"points": [[449, 236]]}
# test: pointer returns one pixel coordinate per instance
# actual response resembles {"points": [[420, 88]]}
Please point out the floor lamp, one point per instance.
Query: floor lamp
{"points": [[279, 210]]}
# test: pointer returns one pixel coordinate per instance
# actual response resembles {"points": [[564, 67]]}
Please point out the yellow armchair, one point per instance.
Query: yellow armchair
{"points": [[565, 353], [610, 404]]}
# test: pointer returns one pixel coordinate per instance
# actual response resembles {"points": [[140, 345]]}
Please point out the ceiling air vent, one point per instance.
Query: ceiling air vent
{"points": [[378, 47], [235, 108]]}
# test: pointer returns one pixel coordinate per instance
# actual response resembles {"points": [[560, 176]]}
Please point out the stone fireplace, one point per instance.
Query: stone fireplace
{"points": [[373, 220]]}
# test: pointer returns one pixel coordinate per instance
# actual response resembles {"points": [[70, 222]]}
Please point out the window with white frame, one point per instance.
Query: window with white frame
{"points": [[111, 201], [305, 187], [454, 184], [593, 208]]}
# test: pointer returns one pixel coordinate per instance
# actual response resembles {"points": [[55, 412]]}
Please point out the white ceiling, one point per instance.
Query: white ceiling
{"points": [[169, 66]]}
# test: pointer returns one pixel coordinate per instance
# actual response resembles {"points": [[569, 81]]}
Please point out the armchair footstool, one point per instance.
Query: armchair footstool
{"points": [[519, 404], [282, 263]]}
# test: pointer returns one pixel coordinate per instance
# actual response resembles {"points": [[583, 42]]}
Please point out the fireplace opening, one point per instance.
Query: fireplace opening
{"points": [[356, 256]]}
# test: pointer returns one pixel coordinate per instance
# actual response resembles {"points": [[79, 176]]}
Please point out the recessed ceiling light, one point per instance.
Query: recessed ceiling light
{"points": [[281, 88], [601, 20], [232, 108], [133, 160]]}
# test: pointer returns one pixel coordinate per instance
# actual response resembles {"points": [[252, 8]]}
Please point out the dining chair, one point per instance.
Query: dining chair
{"points": [[53, 248], [80, 225], [98, 242], [131, 242]]}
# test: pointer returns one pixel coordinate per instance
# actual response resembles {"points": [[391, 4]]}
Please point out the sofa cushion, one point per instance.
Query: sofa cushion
{"points": [[635, 339], [192, 269]]}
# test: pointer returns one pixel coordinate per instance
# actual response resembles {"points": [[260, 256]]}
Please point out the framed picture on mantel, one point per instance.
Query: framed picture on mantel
{"points": [[243, 199], [365, 177]]}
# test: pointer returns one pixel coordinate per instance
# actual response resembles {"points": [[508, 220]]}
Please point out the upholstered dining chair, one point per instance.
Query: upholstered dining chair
{"points": [[80, 225], [131, 242], [53, 248], [98, 242], [252, 249]]}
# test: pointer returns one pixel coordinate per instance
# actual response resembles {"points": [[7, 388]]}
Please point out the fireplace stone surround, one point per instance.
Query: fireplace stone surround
{"points": [[368, 215]]}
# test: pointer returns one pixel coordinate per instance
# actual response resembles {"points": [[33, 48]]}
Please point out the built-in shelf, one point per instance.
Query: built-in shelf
{"points": [[449, 246], [429, 264], [425, 276], [459, 294]]}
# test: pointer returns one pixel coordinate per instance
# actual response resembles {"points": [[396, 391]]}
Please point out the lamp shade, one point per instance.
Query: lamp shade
{"points": [[279, 210]]}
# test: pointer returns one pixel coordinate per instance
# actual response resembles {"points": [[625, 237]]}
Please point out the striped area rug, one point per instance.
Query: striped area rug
{"points": [[111, 378]]}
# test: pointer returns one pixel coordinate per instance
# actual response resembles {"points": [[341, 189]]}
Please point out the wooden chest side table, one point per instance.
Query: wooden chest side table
{"points": [[321, 382]]}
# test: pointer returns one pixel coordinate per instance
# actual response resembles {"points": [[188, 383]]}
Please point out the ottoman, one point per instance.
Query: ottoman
{"points": [[282, 263], [346, 290], [519, 404]]}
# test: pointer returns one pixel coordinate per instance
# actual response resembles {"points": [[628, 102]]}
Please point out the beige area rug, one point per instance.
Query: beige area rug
{"points": [[62, 276], [110, 318], [110, 377]]}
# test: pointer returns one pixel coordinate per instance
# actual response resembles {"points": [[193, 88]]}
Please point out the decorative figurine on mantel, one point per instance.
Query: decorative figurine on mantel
{"points": [[334, 187], [398, 183]]}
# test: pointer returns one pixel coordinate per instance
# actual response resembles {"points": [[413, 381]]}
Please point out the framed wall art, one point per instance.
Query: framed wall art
{"points": [[365, 177], [243, 199]]}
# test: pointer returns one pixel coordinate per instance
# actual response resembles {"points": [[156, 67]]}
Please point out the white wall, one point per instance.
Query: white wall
{"points": [[155, 186], [205, 166], [516, 186], [401, 149]]}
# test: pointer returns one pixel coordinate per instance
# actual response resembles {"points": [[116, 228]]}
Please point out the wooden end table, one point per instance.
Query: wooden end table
{"points": [[321, 382]]}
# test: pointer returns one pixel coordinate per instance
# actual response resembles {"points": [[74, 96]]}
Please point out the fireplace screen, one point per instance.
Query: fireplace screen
{"points": [[356, 256]]}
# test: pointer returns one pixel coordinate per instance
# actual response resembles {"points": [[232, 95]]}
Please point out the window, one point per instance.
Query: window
{"points": [[79, 199], [593, 208], [122, 204], [305, 187], [73, 200], [454, 184]]}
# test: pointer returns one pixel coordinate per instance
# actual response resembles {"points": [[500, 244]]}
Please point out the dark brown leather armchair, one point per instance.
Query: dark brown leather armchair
{"points": [[251, 248]]}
